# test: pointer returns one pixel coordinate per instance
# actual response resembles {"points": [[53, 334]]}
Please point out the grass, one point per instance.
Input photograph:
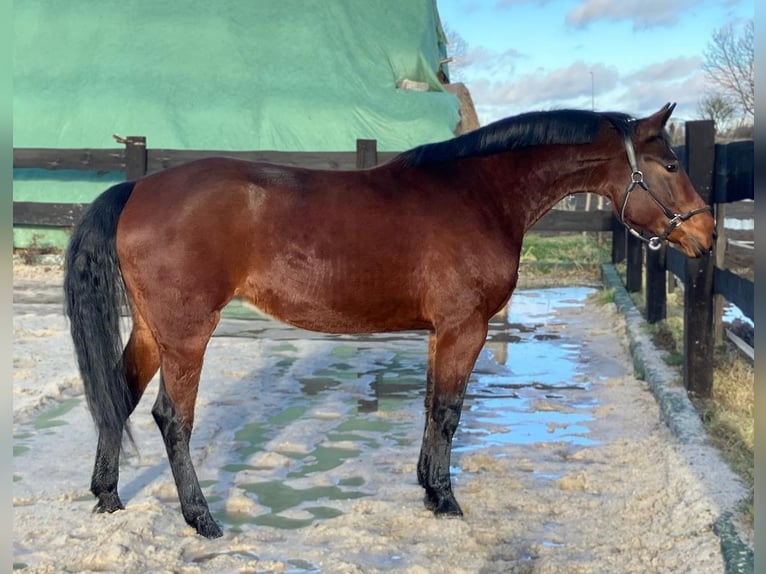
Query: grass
{"points": [[729, 417], [576, 249], [564, 258]]}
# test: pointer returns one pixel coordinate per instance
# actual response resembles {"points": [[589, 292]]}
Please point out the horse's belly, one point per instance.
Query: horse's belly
{"points": [[338, 310]]}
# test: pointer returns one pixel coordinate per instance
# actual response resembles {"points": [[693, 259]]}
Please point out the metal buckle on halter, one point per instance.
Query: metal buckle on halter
{"points": [[654, 243]]}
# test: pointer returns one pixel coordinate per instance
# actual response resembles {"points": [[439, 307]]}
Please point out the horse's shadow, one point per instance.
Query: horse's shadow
{"points": [[214, 421]]}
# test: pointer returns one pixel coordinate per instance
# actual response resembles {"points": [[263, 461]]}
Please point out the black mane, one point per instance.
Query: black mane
{"points": [[525, 130]]}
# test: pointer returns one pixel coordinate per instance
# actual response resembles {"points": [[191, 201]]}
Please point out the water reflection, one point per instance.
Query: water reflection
{"points": [[531, 387]]}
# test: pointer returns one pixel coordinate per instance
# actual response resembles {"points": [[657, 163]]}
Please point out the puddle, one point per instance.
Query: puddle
{"points": [[532, 388], [278, 468]]}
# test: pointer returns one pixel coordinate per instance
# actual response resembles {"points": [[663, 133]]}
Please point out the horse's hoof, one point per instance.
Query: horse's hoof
{"points": [[206, 526], [447, 507], [430, 502], [442, 504], [108, 502]]}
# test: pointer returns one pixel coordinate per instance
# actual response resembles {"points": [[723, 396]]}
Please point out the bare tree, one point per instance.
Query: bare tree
{"points": [[717, 108], [457, 49], [729, 67]]}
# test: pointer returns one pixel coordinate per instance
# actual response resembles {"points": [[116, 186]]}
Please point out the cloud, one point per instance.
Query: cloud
{"points": [[561, 84], [679, 80], [564, 87], [481, 60], [641, 95], [643, 13], [669, 70]]}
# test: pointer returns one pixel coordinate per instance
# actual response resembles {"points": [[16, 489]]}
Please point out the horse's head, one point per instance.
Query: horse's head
{"points": [[659, 199]]}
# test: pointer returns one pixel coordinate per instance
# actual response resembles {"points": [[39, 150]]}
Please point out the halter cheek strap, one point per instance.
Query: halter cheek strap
{"points": [[637, 179]]}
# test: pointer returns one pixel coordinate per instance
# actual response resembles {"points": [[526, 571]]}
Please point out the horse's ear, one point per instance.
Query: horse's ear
{"points": [[654, 124]]}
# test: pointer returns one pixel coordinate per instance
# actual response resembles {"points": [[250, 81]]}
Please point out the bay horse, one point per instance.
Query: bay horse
{"points": [[427, 241]]}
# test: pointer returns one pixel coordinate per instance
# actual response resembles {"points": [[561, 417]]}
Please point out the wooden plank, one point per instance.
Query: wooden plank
{"points": [[720, 251], [735, 289], [698, 332], [700, 150], [559, 220], [741, 345], [619, 241], [634, 264], [698, 285], [36, 213], [741, 244], [733, 168], [734, 171], [110, 160], [675, 262], [366, 153], [656, 292], [162, 158], [98, 160], [135, 157], [47, 214]]}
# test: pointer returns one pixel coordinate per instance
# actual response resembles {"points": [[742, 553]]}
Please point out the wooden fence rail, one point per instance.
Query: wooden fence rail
{"points": [[136, 160], [721, 173]]}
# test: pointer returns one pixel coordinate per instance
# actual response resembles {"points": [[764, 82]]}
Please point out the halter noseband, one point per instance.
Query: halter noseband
{"points": [[637, 179]]}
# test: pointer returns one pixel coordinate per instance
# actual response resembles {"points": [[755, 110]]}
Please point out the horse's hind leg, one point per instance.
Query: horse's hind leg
{"points": [[452, 353], [140, 360], [174, 413]]}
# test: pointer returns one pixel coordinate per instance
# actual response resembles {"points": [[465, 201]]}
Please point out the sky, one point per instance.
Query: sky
{"points": [[631, 56]]}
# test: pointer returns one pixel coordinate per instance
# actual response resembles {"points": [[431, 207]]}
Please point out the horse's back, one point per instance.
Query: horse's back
{"points": [[301, 245]]}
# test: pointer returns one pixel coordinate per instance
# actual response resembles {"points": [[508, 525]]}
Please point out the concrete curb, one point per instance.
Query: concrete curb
{"points": [[676, 410]]}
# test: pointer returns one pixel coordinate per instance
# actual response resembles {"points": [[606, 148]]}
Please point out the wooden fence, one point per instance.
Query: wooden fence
{"points": [[136, 160], [721, 173]]}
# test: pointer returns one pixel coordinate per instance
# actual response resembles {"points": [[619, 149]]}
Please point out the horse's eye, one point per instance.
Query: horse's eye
{"points": [[672, 167]]}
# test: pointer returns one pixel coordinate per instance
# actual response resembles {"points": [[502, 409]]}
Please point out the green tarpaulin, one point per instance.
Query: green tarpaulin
{"points": [[289, 75]]}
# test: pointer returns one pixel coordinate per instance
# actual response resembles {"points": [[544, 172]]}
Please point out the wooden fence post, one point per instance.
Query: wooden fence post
{"points": [[135, 157], [656, 281], [698, 326], [618, 241], [719, 260], [366, 153], [634, 264], [698, 287]]}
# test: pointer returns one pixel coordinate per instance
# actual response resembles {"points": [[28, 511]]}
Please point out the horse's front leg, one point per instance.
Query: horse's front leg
{"points": [[453, 349]]}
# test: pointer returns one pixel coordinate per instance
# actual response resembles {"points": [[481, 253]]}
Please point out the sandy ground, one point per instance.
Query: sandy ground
{"points": [[306, 447]]}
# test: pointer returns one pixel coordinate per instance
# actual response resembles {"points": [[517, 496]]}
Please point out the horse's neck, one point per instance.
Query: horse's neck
{"points": [[527, 184]]}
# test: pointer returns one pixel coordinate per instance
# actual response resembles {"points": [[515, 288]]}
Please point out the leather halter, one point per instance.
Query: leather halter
{"points": [[637, 179]]}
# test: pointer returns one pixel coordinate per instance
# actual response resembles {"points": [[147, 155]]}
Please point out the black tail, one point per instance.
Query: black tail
{"points": [[93, 297]]}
